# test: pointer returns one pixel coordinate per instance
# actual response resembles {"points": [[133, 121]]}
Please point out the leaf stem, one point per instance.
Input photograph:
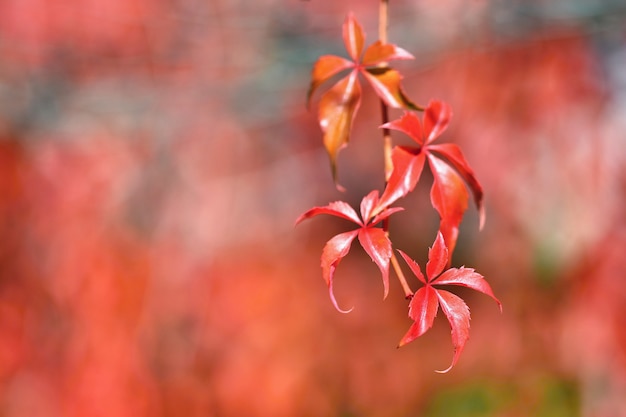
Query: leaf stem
{"points": [[383, 19], [408, 293], [383, 14], [387, 146]]}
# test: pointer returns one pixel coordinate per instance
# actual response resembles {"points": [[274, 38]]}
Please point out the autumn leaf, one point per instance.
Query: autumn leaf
{"points": [[426, 301], [373, 239], [452, 175], [339, 105]]}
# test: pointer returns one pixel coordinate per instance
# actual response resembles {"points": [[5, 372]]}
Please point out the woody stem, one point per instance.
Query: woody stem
{"points": [[408, 293], [384, 110], [387, 146]]}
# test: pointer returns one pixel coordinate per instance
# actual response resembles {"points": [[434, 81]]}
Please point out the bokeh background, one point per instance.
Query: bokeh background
{"points": [[154, 155]]}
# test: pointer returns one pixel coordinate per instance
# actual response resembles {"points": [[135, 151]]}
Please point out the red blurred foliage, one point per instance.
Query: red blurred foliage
{"points": [[148, 263]]}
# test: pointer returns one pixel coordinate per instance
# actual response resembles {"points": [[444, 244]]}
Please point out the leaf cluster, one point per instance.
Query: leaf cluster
{"points": [[453, 181]]}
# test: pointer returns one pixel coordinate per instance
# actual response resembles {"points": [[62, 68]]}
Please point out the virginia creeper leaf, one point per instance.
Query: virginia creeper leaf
{"points": [[373, 239], [448, 196], [452, 174], [452, 153], [378, 246], [458, 315], [436, 119], [368, 203], [415, 268], [407, 169], [353, 37], [338, 107], [334, 251], [336, 208], [437, 257], [467, 277], [425, 303], [324, 68], [337, 110], [379, 53]]}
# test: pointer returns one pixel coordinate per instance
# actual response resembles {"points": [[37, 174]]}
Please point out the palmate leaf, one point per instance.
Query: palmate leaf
{"points": [[426, 301], [452, 174], [339, 105], [373, 239]]}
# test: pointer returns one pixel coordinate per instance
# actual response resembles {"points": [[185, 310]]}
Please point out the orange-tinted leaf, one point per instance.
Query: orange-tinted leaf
{"points": [[353, 37], [437, 258], [335, 250], [378, 246], [338, 108], [386, 83], [448, 196], [407, 169], [323, 69], [452, 153], [378, 53], [423, 310], [458, 315], [467, 277], [436, 119]]}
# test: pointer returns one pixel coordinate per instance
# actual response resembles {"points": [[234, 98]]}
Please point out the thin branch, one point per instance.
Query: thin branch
{"points": [[383, 19], [408, 293]]}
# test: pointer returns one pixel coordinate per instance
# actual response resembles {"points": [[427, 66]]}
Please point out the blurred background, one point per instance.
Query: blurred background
{"points": [[155, 154]]}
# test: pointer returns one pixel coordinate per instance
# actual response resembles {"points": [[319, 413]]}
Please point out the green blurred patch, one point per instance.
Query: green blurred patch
{"points": [[546, 264], [546, 396]]}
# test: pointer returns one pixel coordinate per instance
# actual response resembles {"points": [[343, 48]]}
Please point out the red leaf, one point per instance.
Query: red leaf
{"points": [[323, 69], [407, 169], [336, 208], [451, 172], [458, 315], [467, 277], [436, 119], [452, 153], [415, 268], [379, 53], [353, 37], [448, 196], [335, 250], [367, 205], [337, 110], [373, 212], [409, 124], [384, 214], [437, 258], [378, 246], [374, 240], [423, 310]]}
